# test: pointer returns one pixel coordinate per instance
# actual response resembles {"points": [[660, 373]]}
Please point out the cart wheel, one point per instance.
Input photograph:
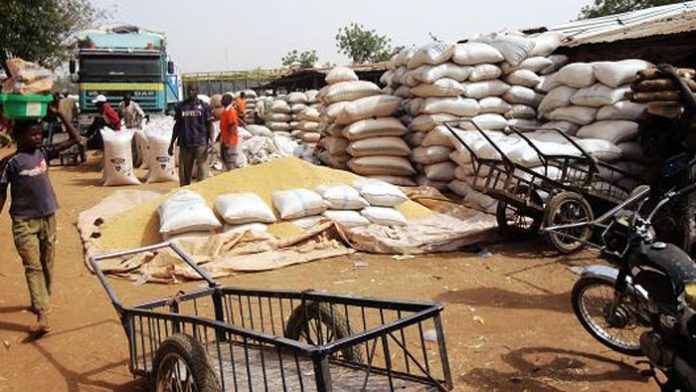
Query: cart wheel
{"points": [[564, 208], [181, 364], [320, 324], [515, 223]]}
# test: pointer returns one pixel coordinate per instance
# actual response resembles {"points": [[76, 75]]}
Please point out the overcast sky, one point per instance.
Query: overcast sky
{"points": [[219, 35]]}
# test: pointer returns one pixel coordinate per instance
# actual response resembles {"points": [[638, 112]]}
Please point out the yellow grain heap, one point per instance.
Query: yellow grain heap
{"points": [[139, 226]]}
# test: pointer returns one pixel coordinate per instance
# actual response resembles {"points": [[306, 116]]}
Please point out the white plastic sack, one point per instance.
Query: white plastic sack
{"points": [[240, 208], [430, 73], [493, 105], [598, 95], [579, 115], [380, 193], [483, 72], [534, 64], [488, 88], [280, 106], [331, 112], [430, 155], [564, 126], [443, 171], [603, 150], [350, 91], [546, 43], [514, 48], [308, 222], [433, 53], [474, 53], [490, 122], [256, 228], [558, 61], [384, 145], [258, 130], [346, 218], [162, 167], [298, 203], [141, 146], [184, 212], [428, 122], [617, 73], [520, 112], [341, 74], [576, 75], [381, 165], [118, 158], [522, 95], [557, 98], [616, 131], [623, 110], [384, 216], [342, 197], [457, 106], [523, 77], [374, 127], [378, 106], [440, 88], [296, 97]]}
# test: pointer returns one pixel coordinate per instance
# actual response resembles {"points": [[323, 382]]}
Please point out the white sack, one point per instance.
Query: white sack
{"points": [[576, 75], [598, 95], [483, 72], [488, 88], [433, 53], [385, 145], [430, 155], [579, 115], [556, 98], [381, 165], [346, 218], [523, 77], [443, 171], [457, 106], [342, 197], [341, 74], [493, 105], [298, 203], [380, 193], [184, 212], [161, 164], [473, 53], [522, 95], [374, 127], [384, 216], [616, 131], [623, 110], [363, 108], [118, 158], [430, 73], [440, 88], [350, 91], [616, 73], [241, 208]]}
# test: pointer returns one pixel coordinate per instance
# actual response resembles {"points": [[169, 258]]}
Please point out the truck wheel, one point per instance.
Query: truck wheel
{"points": [[181, 364]]}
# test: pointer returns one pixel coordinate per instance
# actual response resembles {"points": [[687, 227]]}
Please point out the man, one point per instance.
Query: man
{"points": [[33, 208], [133, 115], [68, 108], [193, 130], [107, 118], [240, 104], [229, 136]]}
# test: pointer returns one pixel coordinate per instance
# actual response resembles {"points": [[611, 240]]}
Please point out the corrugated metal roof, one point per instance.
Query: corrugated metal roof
{"points": [[663, 20]]}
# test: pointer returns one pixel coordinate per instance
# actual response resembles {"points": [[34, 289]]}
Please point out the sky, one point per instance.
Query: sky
{"points": [[232, 35]]}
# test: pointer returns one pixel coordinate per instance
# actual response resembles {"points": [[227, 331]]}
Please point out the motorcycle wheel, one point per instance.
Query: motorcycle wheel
{"points": [[593, 301]]}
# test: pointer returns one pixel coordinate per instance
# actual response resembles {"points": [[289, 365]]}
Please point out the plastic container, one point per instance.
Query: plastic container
{"points": [[25, 107]]}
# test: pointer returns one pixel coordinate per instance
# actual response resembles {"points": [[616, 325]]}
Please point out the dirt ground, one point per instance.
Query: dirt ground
{"points": [[508, 321]]}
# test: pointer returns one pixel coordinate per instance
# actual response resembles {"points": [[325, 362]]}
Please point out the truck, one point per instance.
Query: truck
{"points": [[117, 60]]}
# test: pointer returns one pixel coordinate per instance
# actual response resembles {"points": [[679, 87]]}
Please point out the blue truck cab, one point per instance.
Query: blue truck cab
{"points": [[119, 60]]}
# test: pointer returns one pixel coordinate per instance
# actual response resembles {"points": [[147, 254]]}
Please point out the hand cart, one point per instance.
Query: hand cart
{"points": [[563, 188], [227, 339]]}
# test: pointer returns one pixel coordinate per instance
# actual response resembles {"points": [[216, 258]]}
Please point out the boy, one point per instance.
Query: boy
{"points": [[33, 208], [229, 133]]}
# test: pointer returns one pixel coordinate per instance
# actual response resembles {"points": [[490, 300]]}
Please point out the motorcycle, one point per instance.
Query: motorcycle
{"points": [[646, 304]]}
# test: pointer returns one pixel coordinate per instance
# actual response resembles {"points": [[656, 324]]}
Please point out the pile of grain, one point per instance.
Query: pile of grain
{"points": [[140, 225]]}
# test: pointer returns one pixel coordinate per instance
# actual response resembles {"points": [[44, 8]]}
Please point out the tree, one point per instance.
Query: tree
{"points": [[611, 7], [38, 30], [307, 58], [364, 46]]}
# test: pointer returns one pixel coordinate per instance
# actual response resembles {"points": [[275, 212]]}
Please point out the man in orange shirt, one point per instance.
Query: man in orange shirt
{"points": [[229, 133], [240, 104]]}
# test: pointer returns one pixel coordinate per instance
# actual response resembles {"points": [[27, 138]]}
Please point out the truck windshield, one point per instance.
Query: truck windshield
{"points": [[125, 68]]}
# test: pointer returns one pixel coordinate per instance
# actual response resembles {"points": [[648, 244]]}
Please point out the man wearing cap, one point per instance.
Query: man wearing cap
{"points": [[107, 118], [193, 129]]}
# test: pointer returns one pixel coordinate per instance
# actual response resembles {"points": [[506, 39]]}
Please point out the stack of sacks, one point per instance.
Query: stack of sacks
{"points": [[300, 206], [251, 98], [308, 126], [244, 212], [344, 202], [590, 101], [278, 120], [298, 103], [382, 198], [313, 99], [258, 144]]}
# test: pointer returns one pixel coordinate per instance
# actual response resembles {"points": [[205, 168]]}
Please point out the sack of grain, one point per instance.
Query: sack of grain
{"points": [[297, 108], [308, 126], [520, 112], [564, 126], [308, 222], [579, 115], [558, 61], [280, 106], [141, 149], [493, 105], [256, 228], [524, 122], [428, 122], [296, 97], [240, 208], [523, 77], [381, 165], [576, 75], [622, 110], [332, 111], [118, 158], [440, 136], [598, 95], [350, 91], [278, 126], [403, 92], [483, 72], [603, 150], [384, 216], [346, 218], [514, 48], [184, 212], [341, 74], [474, 53], [457, 106], [279, 117], [364, 108], [161, 164], [440, 88], [342, 197], [374, 127], [430, 73], [616, 131], [310, 137], [298, 203], [488, 88], [430, 155], [433, 53], [443, 171], [489, 121], [522, 95], [616, 73], [556, 98], [385, 145]]}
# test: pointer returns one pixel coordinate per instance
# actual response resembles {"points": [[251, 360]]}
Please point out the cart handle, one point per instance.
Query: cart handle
{"points": [[94, 263]]}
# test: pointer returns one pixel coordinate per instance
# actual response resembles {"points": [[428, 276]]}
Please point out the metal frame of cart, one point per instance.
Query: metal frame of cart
{"points": [[529, 199], [224, 338]]}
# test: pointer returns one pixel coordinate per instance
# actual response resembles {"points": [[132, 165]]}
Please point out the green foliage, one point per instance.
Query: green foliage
{"points": [[611, 7], [362, 45], [38, 30], [306, 59]]}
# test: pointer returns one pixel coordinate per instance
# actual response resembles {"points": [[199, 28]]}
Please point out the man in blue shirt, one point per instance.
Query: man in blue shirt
{"points": [[33, 207], [193, 129]]}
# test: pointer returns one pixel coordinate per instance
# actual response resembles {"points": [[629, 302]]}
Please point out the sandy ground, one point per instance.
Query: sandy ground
{"points": [[508, 321]]}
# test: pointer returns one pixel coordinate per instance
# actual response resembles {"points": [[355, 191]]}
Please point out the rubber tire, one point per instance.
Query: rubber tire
{"points": [[296, 323], [195, 357], [514, 232], [578, 289], [553, 205]]}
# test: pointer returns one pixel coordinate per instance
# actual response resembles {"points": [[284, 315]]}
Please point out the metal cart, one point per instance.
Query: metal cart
{"points": [[564, 188], [222, 338]]}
